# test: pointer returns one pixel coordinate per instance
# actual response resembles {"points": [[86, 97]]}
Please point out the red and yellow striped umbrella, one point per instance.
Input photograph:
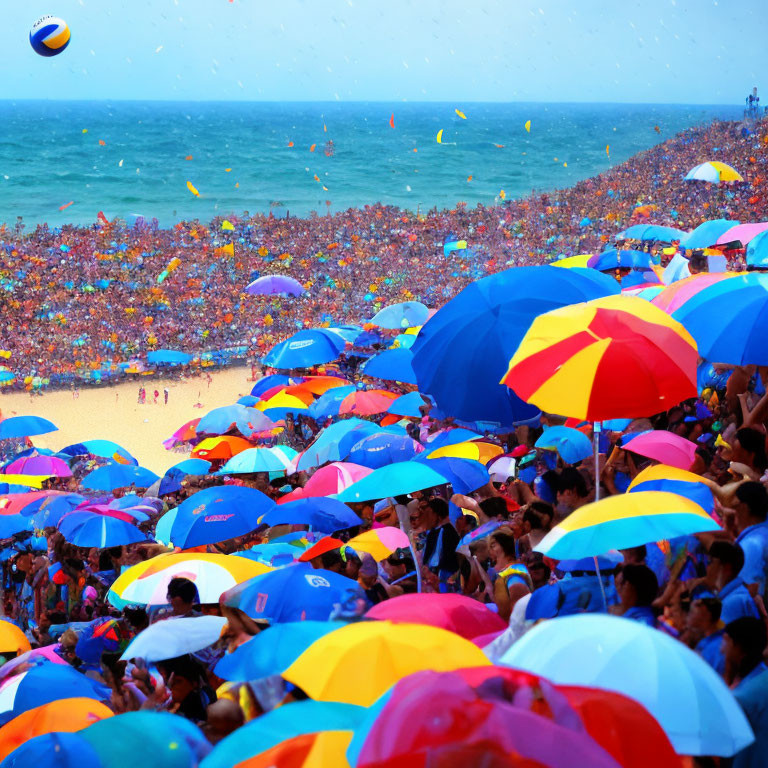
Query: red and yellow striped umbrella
{"points": [[611, 358]]}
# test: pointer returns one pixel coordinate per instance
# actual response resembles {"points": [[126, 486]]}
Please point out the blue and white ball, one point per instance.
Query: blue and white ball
{"points": [[49, 36]]}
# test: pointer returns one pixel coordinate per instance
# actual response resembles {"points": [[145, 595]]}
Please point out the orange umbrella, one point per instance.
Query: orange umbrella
{"points": [[68, 715], [221, 447], [319, 385], [12, 639]]}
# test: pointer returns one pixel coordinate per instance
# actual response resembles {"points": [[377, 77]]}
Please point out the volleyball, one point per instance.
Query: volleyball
{"points": [[49, 36]]}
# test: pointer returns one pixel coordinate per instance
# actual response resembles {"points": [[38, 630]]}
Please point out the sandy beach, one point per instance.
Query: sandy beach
{"points": [[113, 412]]}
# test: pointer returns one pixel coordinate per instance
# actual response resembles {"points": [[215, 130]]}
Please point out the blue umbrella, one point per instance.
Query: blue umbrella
{"points": [[613, 259], [103, 448], [393, 480], [706, 234], [498, 310], [685, 695], [347, 332], [266, 383], [327, 446], [47, 511], [651, 233], [403, 315], [113, 475], [295, 593], [168, 357], [328, 404], [381, 448], [572, 445], [320, 514], [728, 319], [408, 405], [71, 750], [391, 365], [757, 251], [404, 340], [280, 724], [88, 529], [248, 401], [25, 426], [217, 514], [190, 467], [450, 437], [253, 460], [273, 650], [220, 420], [274, 554], [12, 524], [305, 349], [465, 475]]}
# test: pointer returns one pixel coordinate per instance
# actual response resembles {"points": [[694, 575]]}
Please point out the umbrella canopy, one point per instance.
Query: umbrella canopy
{"points": [[328, 403], [86, 529], [672, 480], [50, 466], [465, 475], [319, 385], [112, 476], [175, 637], [254, 460], [403, 315], [25, 426], [379, 543], [305, 349], [382, 448], [12, 639], [283, 403], [220, 448], [334, 442], [580, 260], [320, 514], [337, 667], [102, 636], [757, 252], [294, 593], [168, 357], [651, 233], [367, 402], [246, 420], [727, 320], [393, 480], [707, 233], [476, 450], [673, 296], [147, 583], [106, 449], [627, 259], [328, 480], [409, 405], [272, 285], [685, 695], [713, 172], [621, 522], [391, 365], [217, 514], [742, 233], [662, 446], [459, 614], [572, 445], [498, 309], [610, 358], [268, 382]]}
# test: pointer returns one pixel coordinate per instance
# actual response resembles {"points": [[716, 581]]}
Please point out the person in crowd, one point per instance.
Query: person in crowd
{"points": [[637, 588], [706, 631]]}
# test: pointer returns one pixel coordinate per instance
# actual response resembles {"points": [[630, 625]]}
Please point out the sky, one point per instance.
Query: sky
{"points": [[654, 51]]}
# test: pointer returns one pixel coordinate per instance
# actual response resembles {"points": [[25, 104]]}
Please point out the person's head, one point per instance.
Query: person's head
{"points": [[701, 461], [538, 517], [501, 548], [635, 555], [105, 561], [136, 617], [494, 508], [751, 505], [185, 677], [571, 488], [725, 562], [637, 586], [748, 447], [538, 569], [698, 263], [224, 717], [182, 595], [398, 564], [704, 614], [332, 561], [744, 643], [352, 565], [369, 571], [68, 645], [433, 512]]}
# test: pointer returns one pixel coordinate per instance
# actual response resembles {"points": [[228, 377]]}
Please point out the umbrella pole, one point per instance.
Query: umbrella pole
{"points": [[405, 525], [596, 441]]}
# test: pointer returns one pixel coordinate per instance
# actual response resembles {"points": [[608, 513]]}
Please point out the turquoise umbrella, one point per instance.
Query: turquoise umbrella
{"points": [[571, 444], [393, 480], [113, 475], [25, 426]]}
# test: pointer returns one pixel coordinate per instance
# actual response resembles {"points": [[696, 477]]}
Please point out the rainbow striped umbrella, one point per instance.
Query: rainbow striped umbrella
{"points": [[624, 521], [615, 357]]}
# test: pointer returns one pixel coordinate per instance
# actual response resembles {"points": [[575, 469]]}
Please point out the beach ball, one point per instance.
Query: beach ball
{"points": [[49, 36]]}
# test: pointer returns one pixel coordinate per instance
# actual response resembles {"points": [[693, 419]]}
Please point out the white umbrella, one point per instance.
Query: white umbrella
{"points": [[174, 637]]}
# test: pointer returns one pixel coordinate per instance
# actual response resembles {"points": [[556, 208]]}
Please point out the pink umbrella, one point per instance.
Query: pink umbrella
{"points": [[742, 232], [367, 402], [674, 296], [664, 447], [35, 656], [51, 466], [334, 478], [16, 503]]}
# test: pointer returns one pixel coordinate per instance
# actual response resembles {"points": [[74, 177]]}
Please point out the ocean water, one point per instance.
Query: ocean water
{"points": [[51, 154]]}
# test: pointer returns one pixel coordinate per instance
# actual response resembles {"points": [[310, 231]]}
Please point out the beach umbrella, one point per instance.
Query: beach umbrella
{"points": [[294, 593], [87, 529], [219, 421], [685, 695], [25, 426], [615, 357], [112, 476], [217, 514], [272, 380], [13, 524], [337, 666], [464, 475], [450, 436], [624, 521], [289, 721], [402, 315], [459, 614], [273, 285], [334, 442], [380, 543], [254, 460], [320, 514], [170, 482], [626, 259], [305, 349], [476, 450], [328, 480], [396, 479], [220, 448], [569, 262], [64, 715], [319, 385], [673, 480], [328, 404], [175, 637], [757, 252], [283, 403], [71, 751], [106, 449], [168, 357], [650, 233], [727, 320], [50, 466], [347, 332], [147, 582], [379, 449], [742, 233], [272, 650], [12, 639], [498, 309], [391, 365], [713, 172], [367, 402], [662, 446], [673, 296], [707, 233], [273, 554], [408, 405], [503, 468], [48, 509], [572, 445]]}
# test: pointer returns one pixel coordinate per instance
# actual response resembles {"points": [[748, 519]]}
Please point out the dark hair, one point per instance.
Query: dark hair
{"points": [[748, 634], [184, 589], [698, 261], [572, 480], [753, 442], [755, 497], [728, 554], [329, 559], [644, 580], [640, 552], [506, 542], [713, 606], [439, 507], [534, 513], [105, 561], [495, 506], [137, 616]]}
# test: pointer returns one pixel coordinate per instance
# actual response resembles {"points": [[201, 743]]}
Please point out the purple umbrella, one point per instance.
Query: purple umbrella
{"points": [[49, 466], [270, 285]]}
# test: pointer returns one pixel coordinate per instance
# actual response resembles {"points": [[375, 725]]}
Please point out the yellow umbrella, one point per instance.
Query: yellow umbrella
{"points": [[379, 542], [12, 639], [479, 451], [573, 261], [359, 662], [31, 481], [284, 400]]}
